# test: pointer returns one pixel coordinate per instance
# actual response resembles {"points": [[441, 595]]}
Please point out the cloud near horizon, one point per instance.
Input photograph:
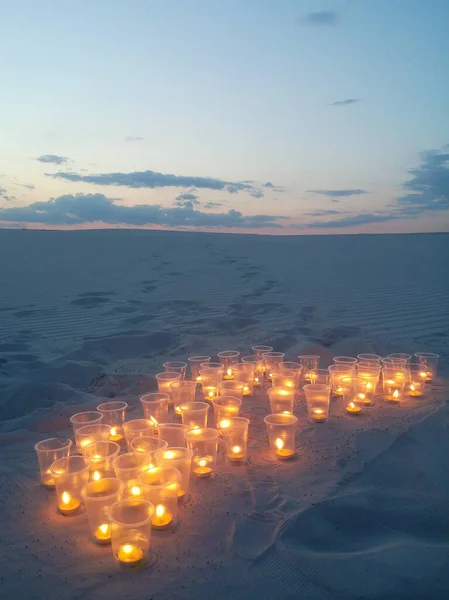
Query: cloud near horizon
{"points": [[52, 159], [187, 200], [153, 179], [345, 102], [80, 209], [339, 193], [321, 18]]}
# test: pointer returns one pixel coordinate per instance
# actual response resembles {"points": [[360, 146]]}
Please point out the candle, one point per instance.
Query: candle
{"points": [[114, 435], [236, 453], [228, 374], [394, 397], [318, 415], [234, 431], [103, 533], [129, 554], [48, 451], [161, 489], [353, 409], [413, 391], [162, 517], [179, 458], [114, 415], [68, 504], [281, 451], [281, 434], [200, 466]]}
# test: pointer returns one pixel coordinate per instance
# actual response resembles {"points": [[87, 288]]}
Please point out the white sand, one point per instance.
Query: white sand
{"points": [[362, 512]]}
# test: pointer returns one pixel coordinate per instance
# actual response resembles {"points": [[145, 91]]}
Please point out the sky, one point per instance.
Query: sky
{"points": [[261, 116]]}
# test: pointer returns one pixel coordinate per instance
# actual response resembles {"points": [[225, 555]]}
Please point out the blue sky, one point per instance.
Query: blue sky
{"points": [[287, 116]]}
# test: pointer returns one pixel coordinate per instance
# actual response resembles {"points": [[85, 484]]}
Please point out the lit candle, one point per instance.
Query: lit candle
{"points": [[338, 391], [162, 517], [413, 391], [103, 533], [68, 504], [236, 453], [246, 391], [114, 435], [96, 475], [281, 451], [129, 554], [353, 409], [200, 466], [318, 415], [135, 491], [228, 374], [47, 479]]}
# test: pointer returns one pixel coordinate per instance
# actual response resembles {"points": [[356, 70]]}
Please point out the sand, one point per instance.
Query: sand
{"points": [[361, 512]]}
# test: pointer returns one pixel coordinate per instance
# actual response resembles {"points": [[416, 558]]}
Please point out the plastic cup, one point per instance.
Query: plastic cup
{"points": [[281, 399], [147, 444], [259, 369], [173, 434], [281, 431], [48, 451], [293, 366], [114, 415], [272, 361], [234, 431], [401, 357], [138, 428], [91, 433], [226, 406], [369, 359], [81, 419], [155, 407], [309, 362], [393, 383], [354, 394], [70, 474], [160, 487], [181, 392], [194, 364], [204, 445], [228, 358], [181, 459], [176, 366], [231, 388], [98, 496], [101, 455], [213, 365], [337, 372], [165, 379], [416, 385], [430, 360], [261, 350], [284, 377], [320, 376], [317, 399], [194, 414], [372, 375], [131, 531], [128, 468], [210, 378], [391, 363], [244, 372], [347, 361]]}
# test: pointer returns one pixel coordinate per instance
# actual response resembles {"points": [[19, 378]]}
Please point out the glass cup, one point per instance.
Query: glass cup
{"points": [[228, 358], [258, 363], [261, 350], [128, 468], [173, 433], [70, 474], [210, 378], [281, 434], [98, 496], [393, 384], [415, 387], [317, 399], [160, 487], [234, 431], [194, 364], [354, 394], [401, 357], [372, 375], [293, 366], [320, 376], [347, 361], [231, 388], [181, 392], [48, 451], [137, 428], [155, 407], [90, 417], [309, 362], [367, 359], [337, 372], [284, 377], [430, 360], [213, 365], [272, 361], [149, 445], [181, 459], [114, 416], [281, 399], [165, 379], [91, 433], [131, 531], [176, 366], [244, 372], [101, 456], [226, 406], [204, 445], [194, 414]]}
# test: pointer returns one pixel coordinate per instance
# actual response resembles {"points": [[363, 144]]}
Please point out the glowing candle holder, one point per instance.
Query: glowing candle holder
{"points": [[194, 364], [70, 474], [161, 489], [49, 451], [281, 399], [91, 433], [272, 362], [261, 350], [176, 366], [228, 358], [317, 399], [354, 394], [131, 531], [114, 415], [430, 361], [128, 468], [281, 434], [79, 420], [346, 361], [181, 392], [210, 378], [244, 372], [415, 386], [284, 377], [231, 388], [372, 375], [173, 433], [181, 459], [393, 386], [309, 362], [337, 372], [204, 445], [295, 367], [401, 357], [138, 428], [98, 496], [321, 376], [368, 359], [165, 379], [149, 445], [101, 456], [194, 414], [234, 431], [226, 406], [155, 407], [259, 370]]}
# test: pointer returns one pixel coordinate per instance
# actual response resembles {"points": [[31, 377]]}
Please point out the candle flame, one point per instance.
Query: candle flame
{"points": [[351, 405], [423, 374], [236, 449], [340, 389], [211, 394], [369, 386], [256, 380], [390, 381], [412, 387], [198, 378], [225, 423], [246, 388], [97, 456], [362, 396], [318, 411], [279, 444], [96, 476], [169, 454], [127, 548], [396, 394], [283, 393], [160, 510], [113, 431], [202, 463], [229, 371], [104, 528], [65, 498], [135, 490], [153, 420], [286, 412]]}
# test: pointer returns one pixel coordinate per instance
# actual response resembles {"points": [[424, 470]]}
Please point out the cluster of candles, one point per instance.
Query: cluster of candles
{"points": [[127, 494]]}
